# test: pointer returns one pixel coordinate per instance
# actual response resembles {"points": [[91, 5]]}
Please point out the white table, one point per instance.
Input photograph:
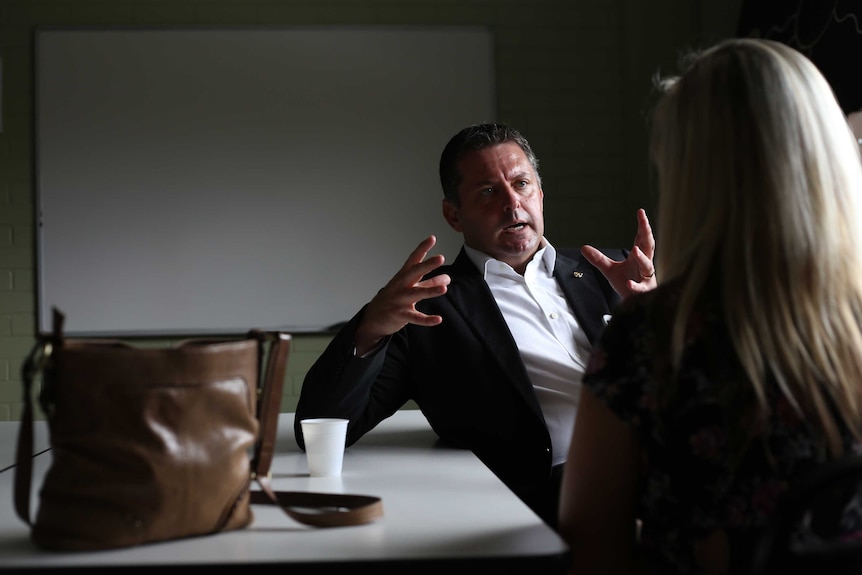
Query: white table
{"points": [[443, 510]]}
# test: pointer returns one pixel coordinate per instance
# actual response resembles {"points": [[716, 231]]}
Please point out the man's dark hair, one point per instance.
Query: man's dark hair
{"points": [[477, 137]]}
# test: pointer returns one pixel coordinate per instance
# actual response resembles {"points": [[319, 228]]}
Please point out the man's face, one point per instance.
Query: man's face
{"points": [[501, 204]]}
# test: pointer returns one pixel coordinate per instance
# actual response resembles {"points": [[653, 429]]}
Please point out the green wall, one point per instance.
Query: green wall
{"points": [[572, 75]]}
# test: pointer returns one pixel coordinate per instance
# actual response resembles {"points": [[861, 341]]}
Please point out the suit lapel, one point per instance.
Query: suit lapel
{"points": [[577, 279], [470, 295]]}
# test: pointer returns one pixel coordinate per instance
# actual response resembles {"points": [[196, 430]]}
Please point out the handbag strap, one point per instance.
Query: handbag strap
{"points": [[33, 363], [317, 509], [269, 391], [321, 509]]}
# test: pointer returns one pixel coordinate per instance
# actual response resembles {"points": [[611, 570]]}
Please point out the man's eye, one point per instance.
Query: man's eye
{"points": [[521, 184], [486, 192]]}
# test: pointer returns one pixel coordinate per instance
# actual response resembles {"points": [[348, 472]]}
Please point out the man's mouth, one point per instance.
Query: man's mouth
{"points": [[516, 227]]}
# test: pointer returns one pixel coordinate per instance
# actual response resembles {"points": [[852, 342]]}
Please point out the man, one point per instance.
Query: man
{"points": [[492, 347]]}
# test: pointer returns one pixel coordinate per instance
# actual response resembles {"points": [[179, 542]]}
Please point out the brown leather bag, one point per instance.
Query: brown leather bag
{"points": [[154, 444]]}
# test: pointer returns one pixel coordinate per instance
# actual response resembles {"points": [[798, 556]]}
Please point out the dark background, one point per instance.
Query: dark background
{"points": [[829, 32]]}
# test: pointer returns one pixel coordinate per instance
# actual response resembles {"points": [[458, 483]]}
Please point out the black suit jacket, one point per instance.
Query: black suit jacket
{"points": [[466, 375]]}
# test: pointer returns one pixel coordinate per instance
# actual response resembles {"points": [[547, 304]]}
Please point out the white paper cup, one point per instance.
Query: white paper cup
{"points": [[324, 445]]}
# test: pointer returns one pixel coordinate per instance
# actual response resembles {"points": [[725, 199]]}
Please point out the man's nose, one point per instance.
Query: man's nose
{"points": [[511, 199]]}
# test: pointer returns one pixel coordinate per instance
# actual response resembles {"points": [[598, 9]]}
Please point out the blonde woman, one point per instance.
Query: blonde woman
{"points": [[705, 397]]}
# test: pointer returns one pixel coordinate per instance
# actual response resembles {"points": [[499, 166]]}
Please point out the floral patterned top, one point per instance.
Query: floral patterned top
{"points": [[710, 459]]}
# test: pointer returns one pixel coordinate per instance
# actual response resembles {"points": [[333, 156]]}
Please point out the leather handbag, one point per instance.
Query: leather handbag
{"points": [[153, 444]]}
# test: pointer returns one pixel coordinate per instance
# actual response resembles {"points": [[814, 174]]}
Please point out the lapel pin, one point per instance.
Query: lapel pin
{"points": [[578, 274]]}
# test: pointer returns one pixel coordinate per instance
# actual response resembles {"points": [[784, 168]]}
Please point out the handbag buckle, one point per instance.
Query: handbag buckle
{"points": [[37, 360]]}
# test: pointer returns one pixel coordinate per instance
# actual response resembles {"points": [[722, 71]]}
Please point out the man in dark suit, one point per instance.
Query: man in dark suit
{"points": [[492, 347]]}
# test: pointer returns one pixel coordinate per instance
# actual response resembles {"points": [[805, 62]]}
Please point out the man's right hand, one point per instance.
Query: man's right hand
{"points": [[394, 306]]}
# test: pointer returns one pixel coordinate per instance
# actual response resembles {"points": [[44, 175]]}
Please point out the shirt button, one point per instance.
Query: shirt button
{"points": [[553, 316]]}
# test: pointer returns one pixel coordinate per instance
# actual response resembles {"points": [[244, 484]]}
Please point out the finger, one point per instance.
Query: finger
{"points": [[420, 293], [424, 320], [406, 297], [421, 251], [428, 289], [644, 238], [596, 257], [641, 287], [441, 280], [645, 266], [411, 276], [419, 264]]}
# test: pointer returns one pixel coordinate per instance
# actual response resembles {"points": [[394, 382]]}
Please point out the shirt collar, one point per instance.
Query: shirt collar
{"points": [[547, 255]]}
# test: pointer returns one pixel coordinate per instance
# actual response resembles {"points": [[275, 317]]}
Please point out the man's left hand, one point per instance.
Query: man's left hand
{"points": [[636, 273]]}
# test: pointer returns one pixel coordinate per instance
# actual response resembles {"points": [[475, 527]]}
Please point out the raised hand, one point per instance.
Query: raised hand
{"points": [[636, 273], [394, 306]]}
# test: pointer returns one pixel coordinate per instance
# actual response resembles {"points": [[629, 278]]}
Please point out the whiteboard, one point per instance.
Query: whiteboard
{"points": [[211, 180]]}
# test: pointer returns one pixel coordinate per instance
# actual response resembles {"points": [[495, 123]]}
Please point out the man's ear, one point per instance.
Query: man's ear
{"points": [[450, 212]]}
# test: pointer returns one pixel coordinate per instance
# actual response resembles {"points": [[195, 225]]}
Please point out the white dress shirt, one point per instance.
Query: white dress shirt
{"points": [[553, 346]]}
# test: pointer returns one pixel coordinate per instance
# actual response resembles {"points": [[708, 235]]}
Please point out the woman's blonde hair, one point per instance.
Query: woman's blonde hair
{"points": [[760, 181]]}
